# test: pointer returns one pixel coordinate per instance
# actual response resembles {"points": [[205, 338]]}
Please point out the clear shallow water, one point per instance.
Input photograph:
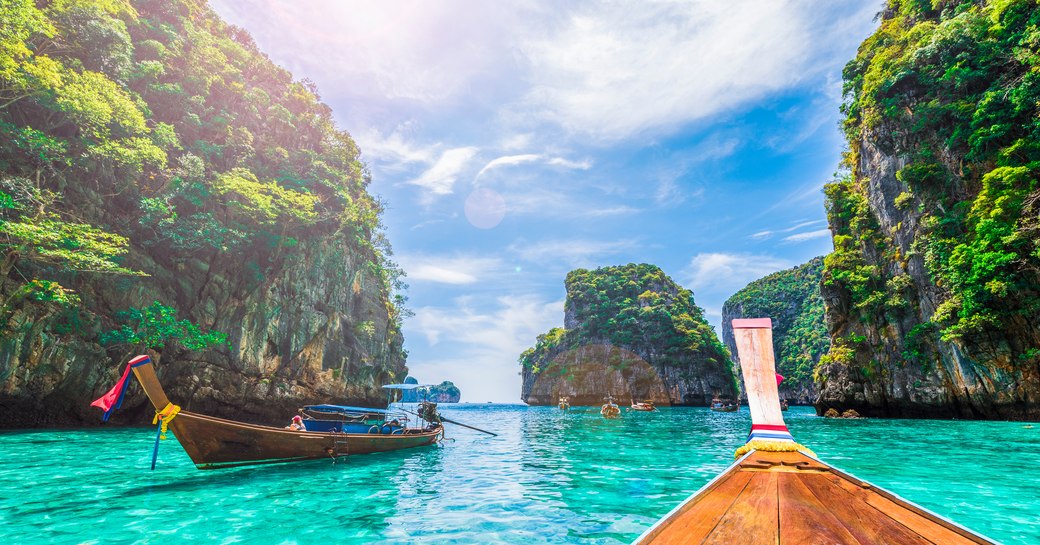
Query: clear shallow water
{"points": [[550, 477]]}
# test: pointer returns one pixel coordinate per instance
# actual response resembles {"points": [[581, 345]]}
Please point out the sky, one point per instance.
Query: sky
{"points": [[515, 141]]}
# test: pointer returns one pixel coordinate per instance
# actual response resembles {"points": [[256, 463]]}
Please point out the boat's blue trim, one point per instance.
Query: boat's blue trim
{"points": [[343, 409]]}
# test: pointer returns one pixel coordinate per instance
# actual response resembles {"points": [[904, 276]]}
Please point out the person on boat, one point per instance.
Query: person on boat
{"points": [[297, 424]]}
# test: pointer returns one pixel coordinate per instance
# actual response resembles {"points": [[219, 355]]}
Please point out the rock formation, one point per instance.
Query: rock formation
{"points": [[792, 299], [242, 203], [933, 291], [632, 333], [445, 392]]}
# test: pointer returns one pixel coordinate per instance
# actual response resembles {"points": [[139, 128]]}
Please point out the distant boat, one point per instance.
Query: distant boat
{"points": [[645, 406], [726, 406], [331, 431], [610, 409], [564, 403], [783, 405], [778, 492]]}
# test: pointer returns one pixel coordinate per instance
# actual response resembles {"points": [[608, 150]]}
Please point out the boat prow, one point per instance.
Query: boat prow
{"points": [[778, 493], [217, 442]]}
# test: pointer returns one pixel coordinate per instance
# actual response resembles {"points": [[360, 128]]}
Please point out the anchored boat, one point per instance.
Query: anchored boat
{"points": [[331, 431], [778, 493], [645, 406], [610, 409], [564, 403], [721, 406]]}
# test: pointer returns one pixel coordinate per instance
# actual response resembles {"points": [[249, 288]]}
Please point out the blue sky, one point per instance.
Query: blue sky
{"points": [[516, 141]]}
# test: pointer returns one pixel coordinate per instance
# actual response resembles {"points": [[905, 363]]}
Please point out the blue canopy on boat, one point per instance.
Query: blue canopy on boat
{"points": [[345, 409], [406, 386]]}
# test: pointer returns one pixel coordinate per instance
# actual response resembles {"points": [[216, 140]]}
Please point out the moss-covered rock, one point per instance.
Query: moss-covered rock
{"points": [[632, 333]]}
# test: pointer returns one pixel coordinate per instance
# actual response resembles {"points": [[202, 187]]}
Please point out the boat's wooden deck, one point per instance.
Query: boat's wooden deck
{"points": [[791, 499]]}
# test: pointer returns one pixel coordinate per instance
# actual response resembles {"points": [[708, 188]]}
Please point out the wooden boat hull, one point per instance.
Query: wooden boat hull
{"points": [[788, 498], [216, 442], [724, 409], [780, 494]]}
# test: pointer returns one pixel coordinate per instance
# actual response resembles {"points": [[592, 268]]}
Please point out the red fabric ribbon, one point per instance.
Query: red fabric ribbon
{"points": [[114, 397]]}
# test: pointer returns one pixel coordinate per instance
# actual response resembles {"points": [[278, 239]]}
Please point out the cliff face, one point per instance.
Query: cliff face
{"points": [[792, 299], [237, 197], [632, 333], [932, 291]]}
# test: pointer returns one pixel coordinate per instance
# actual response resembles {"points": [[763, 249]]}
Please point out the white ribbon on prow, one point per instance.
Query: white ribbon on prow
{"points": [[755, 349]]}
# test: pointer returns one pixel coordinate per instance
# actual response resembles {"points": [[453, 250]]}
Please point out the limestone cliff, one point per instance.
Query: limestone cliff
{"points": [[792, 299], [632, 333], [933, 293], [158, 131]]}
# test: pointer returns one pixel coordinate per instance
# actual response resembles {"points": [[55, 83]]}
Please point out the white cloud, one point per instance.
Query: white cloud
{"points": [[456, 270], [768, 233], [574, 165], [440, 178], [720, 272], [509, 160], [488, 340], [393, 148], [512, 160], [573, 253], [809, 235], [615, 69]]}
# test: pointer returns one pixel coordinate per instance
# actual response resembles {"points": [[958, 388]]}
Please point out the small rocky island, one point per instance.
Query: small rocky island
{"points": [[629, 331], [445, 392], [792, 299]]}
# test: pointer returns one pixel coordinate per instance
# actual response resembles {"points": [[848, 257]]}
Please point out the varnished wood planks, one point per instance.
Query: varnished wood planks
{"points": [[753, 517], [805, 520], [866, 524], [697, 519], [910, 516]]}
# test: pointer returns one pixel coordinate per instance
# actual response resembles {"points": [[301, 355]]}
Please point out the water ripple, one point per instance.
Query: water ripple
{"points": [[551, 477]]}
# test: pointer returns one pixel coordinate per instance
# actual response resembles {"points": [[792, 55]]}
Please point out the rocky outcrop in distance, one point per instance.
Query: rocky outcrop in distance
{"points": [[791, 298], [631, 333], [445, 392]]}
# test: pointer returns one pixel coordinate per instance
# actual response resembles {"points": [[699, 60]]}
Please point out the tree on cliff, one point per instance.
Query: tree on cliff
{"points": [[937, 258], [639, 309], [792, 299], [178, 150]]}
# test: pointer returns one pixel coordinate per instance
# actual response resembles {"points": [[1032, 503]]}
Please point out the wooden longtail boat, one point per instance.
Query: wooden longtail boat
{"points": [[564, 403], [645, 406], [724, 406], [779, 493], [610, 409], [215, 442]]}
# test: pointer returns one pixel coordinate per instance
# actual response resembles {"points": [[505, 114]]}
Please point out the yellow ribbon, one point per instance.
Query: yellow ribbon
{"points": [[165, 416], [772, 446]]}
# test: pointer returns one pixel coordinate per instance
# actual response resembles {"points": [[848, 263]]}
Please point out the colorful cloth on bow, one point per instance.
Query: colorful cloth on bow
{"points": [[779, 379], [113, 398]]}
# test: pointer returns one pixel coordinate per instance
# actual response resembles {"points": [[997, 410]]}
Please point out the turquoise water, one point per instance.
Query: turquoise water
{"points": [[550, 477]]}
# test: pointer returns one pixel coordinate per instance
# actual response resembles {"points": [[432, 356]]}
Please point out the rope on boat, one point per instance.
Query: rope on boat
{"points": [[164, 417], [772, 446]]}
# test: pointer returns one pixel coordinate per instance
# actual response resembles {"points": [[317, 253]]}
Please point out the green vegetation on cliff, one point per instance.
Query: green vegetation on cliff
{"points": [[628, 306], [156, 126], [792, 299], [952, 90]]}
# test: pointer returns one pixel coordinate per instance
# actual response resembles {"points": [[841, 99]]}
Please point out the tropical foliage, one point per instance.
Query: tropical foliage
{"points": [[631, 305], [155, 129], [952, 89], [792, 299]]}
